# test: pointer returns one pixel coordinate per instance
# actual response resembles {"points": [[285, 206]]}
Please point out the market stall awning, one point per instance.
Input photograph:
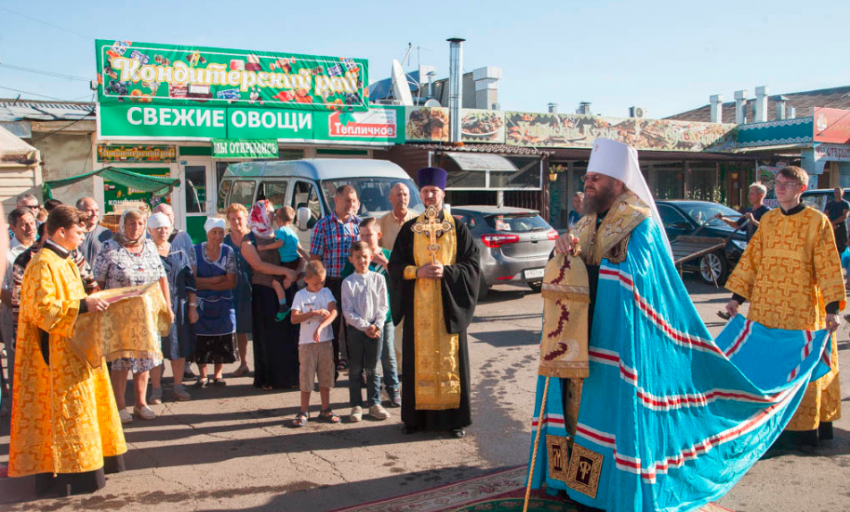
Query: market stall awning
{"points": [[150, 184], [481, 162]]}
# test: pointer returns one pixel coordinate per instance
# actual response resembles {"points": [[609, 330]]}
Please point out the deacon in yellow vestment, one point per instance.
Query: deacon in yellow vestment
{"points": [[64, 420], [436, 313], [791, 274]]}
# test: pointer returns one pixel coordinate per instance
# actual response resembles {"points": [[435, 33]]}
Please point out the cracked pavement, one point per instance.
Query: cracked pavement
{"points": [[231, 449]]}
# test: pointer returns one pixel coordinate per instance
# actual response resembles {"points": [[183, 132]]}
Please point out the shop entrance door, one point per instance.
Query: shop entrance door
{"points": [[197, 189]]}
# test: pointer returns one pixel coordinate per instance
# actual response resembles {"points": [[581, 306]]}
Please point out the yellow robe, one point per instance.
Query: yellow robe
{"points": [[437, 362], [789, 272], [64, 417]]}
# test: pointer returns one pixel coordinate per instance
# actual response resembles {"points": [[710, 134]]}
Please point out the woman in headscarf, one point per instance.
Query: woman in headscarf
{"points": [[129, 259], [237, 218], [215, 277], [180, 341], [275, 343]]}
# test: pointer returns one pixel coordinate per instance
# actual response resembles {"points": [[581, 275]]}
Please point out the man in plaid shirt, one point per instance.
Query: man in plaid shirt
{"points": [[332, 239]]}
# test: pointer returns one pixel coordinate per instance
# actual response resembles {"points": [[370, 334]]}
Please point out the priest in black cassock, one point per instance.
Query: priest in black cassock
{"points": [[434, 272]]}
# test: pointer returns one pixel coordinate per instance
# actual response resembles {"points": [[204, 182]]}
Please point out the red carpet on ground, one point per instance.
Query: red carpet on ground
{"points": [[502, 490]]}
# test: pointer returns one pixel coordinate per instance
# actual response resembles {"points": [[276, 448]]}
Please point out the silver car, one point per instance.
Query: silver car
{"points": [[515, 244]]}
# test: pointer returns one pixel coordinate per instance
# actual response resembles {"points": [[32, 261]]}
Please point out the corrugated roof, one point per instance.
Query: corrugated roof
{"points": [[804, 102], [36, 110]]}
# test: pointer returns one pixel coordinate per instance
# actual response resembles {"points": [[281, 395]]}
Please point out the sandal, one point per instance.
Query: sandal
{"points": [[220, 382], [328, 416], [301, 420], [202, 383], [266, 387], [342, 365]]}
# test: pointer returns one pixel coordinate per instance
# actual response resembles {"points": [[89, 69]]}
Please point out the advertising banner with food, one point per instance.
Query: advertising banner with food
{"points": [[191, 75], [482, 126], [580, 131], [426, 124]]}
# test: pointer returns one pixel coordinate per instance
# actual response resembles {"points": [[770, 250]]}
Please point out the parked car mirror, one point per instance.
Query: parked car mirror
{"points": [[302, 218]]}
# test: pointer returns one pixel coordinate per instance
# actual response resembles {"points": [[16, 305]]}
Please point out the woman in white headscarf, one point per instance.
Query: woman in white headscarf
{"points": [[215, 277], [180, 341], [129, 259]]}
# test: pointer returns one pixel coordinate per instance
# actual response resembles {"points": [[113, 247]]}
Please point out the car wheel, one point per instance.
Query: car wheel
{"points": [[536, 286], [713, 268], [483, 289]]}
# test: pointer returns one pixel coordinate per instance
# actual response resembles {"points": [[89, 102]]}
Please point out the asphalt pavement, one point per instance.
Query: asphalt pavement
{"points": [[231, 448]]}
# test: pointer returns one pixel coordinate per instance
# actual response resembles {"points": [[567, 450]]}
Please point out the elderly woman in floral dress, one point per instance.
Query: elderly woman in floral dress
{"points": [[129, 259]]}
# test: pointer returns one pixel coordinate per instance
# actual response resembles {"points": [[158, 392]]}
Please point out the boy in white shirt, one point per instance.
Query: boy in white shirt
{"points": [[314, 308], [364, 306]]}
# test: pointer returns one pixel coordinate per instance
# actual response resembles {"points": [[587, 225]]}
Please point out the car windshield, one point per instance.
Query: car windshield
{"points": [[703, 213], [373, 193], [517, 222]]}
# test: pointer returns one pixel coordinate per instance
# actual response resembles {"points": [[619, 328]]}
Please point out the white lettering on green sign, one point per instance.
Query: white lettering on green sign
{"points": [[245, 149], [175, 116], [272, 119]]}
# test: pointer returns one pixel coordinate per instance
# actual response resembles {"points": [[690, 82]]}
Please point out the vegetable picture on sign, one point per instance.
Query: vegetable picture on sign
{"points": [[146, 73]]}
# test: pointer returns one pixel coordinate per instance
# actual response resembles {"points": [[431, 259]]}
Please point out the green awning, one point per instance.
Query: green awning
{"points": [[151, 184]]}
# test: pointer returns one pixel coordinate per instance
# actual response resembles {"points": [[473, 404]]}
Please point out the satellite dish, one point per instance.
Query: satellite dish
{"points": [[432, 103], [401, 89]]}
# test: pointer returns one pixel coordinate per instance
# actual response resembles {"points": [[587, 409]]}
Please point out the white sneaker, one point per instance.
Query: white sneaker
{"points": [[378, 412], [125, 416], [144, 412], [356, 414]]}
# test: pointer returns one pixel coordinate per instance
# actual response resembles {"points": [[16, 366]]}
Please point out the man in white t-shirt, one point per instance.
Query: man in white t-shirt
{"points": [[314, 307]]}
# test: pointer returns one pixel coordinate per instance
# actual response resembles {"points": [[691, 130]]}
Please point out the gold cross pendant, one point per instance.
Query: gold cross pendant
{"points": [[433, 229]]}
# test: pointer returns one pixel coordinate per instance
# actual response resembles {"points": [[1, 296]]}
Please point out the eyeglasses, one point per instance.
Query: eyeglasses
{"points": [[787, 184], [31, 206], [592, 178]]}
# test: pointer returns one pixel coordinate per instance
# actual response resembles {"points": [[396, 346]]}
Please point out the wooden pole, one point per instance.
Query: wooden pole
{"points": [[536, 444]]}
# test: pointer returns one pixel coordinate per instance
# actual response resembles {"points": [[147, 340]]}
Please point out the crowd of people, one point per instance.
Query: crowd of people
{"points": [[241, 282]]}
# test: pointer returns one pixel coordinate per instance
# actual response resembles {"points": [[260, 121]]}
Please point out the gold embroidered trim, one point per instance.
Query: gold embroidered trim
{"points": [[558, 456], [584, 471]]}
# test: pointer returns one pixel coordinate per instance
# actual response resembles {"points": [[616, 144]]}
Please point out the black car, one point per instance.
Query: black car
{"points": [[696, 218]]}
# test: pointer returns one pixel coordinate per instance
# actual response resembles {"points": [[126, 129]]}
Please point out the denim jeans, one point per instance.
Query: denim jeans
{"points": [[388, 363], [363, 354]]}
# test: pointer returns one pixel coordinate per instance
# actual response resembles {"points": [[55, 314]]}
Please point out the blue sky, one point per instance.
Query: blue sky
{"points": [[667, 56]]}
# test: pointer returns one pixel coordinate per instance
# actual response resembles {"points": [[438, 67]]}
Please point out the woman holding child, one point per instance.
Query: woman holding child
{"points": [[275, 342]]}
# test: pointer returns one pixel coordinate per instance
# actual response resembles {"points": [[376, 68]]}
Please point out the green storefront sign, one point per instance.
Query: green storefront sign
{"points": [[114, 193], [152, 121], [187, 75], [244, 148]]}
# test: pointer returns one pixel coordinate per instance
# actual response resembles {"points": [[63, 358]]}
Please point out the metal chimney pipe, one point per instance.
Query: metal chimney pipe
{"points": [[741, 106], [455, 86], [716, 108], [792, 112], [553, 108], [761, 104], [780, 107]]}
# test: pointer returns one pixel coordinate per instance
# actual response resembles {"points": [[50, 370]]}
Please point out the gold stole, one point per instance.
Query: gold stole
{"points": [[566, 299], [437, 362]]}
